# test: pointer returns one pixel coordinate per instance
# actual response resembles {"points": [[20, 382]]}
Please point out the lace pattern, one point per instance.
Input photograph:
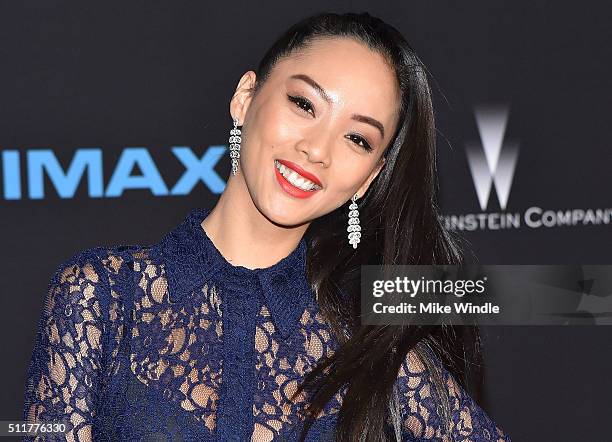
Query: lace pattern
{"points": [[120, 356]]}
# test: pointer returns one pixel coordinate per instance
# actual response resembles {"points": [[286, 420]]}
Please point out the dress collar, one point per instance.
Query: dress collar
{"points": [[191, 259]]}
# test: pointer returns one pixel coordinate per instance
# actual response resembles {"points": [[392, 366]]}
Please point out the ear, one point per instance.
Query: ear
{"points": [[366, 185], [239, 104]]}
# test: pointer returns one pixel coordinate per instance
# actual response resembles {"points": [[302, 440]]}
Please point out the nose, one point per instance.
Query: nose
{"points": [[317, 148]]}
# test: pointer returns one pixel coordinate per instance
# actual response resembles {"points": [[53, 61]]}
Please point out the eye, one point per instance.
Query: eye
{"points": [[302, 103], [357, 139]]}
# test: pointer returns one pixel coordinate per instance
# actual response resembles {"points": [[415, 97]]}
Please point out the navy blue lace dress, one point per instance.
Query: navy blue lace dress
{"points": [[170, 342]]}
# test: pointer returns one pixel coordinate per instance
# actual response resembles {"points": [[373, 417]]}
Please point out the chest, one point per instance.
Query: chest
{"points": [[214, 367]]}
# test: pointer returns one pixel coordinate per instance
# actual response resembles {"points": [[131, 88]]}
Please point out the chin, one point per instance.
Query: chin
{"points": [[284, 214]]}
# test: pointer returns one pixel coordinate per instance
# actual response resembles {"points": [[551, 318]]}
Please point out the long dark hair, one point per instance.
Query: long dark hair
{"points": [[401, 226]]}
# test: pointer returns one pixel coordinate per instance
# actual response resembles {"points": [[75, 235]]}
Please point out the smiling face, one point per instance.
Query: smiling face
{"points": [[326, 112]]}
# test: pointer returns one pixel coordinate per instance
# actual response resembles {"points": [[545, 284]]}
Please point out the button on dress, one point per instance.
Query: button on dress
{"points": [[171, 342]]}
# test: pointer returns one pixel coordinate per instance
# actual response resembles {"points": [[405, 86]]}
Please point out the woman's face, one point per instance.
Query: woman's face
{"points": [[327, 113]]}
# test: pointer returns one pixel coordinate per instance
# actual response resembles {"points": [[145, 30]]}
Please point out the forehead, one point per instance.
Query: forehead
{"points": [[354, 76]]}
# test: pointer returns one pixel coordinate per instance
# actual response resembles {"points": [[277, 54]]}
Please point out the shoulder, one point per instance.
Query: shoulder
{"points": [[469, 420], [97, 275], [98, 263], [435, 406]]}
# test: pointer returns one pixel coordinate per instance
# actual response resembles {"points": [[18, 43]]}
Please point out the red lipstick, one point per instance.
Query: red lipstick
{"points": [[301, 171], [290, 188]]}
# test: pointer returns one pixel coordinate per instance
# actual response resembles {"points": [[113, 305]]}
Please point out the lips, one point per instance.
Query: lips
{"points": [[301, 171], [289, 188]]}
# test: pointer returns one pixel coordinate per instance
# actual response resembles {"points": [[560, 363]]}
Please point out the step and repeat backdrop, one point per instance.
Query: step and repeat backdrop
{"points": [[114, 122]]}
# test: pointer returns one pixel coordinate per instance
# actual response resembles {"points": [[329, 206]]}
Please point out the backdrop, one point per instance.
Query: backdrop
{"points": [[112, 107]]}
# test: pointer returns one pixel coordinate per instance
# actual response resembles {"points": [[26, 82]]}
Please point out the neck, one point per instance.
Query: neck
{"points": [[243, 235]]}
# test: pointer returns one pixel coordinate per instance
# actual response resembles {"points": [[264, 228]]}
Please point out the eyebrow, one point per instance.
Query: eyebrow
{"points": [[357, 117]]}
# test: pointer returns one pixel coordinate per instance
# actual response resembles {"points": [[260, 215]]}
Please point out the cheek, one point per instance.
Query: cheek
{"points": [[348, 174], [272, 126]]}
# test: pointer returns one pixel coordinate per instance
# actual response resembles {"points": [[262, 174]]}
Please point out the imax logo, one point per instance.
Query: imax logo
{"points": [[494, 161], [86, 165]]}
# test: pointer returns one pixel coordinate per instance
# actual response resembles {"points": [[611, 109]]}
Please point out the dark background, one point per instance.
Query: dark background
{"points": [[160, 74]]}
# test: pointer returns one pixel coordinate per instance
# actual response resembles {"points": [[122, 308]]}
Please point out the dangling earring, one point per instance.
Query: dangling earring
{"points": [[235, 140], [354, 228]]}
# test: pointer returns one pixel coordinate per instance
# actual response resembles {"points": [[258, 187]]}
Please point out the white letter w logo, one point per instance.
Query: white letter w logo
{"points": [[490, 163]]}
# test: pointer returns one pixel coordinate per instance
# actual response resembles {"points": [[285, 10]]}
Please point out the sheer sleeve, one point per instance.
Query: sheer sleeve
{"points": [[422, 412], [64, 372]]}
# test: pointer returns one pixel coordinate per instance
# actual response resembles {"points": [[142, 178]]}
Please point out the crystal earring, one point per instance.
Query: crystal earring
{"points": [[354, 228], [234, 141]]}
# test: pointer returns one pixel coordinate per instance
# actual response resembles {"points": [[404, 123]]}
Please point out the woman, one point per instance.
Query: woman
{"points": [[242, 322]]}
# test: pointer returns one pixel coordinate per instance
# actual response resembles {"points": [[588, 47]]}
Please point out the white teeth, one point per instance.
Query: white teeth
{"points": [[294, 178]]}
